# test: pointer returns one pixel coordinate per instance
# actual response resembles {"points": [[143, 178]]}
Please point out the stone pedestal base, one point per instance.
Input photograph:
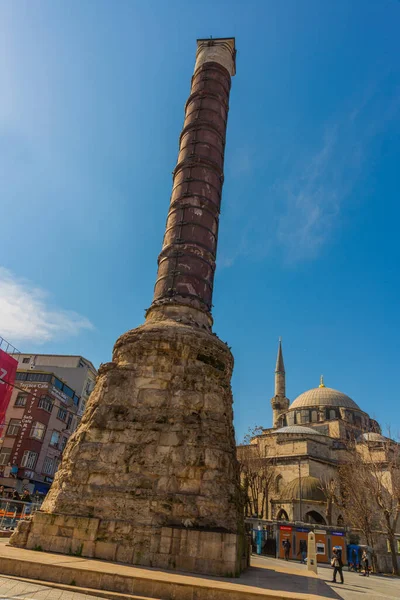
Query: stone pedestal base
{"points": [[150, 477], [182, 549]]}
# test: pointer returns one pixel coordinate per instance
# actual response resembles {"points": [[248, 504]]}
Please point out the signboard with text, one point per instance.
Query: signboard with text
{"points": [[8, 369]]}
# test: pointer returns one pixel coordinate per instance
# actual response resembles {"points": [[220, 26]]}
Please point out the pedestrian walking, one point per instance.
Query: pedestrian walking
{"points": [[286, 546], [365, 561], [337, 565], [303, 551]]}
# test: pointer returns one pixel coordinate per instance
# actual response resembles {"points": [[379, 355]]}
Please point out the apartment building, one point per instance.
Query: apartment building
{"points": [[77, 371], [41, 416]]}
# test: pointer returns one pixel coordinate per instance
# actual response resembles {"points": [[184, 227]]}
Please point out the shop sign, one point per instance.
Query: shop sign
{"points": [[285, 528], [26, 423], [320, 531], [8, 369], [33, 384], [337, 533], [302, 530], [60, 395]]}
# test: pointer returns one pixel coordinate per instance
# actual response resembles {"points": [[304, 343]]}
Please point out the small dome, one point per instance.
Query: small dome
{"points": [[298, 429], [310, 489], [371, 437], [323, 396]]}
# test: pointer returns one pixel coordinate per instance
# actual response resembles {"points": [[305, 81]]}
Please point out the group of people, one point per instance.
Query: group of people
{"points": [[336, 561], [9, 494], [356, 565]]}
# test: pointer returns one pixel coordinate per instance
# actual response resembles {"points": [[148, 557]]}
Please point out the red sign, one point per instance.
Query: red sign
{"points": [[8, 368], [285, 528]]}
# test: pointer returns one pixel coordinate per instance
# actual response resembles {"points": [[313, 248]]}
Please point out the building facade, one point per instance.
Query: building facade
{"points": [[299, 457], [41, 416], [77, 371]]}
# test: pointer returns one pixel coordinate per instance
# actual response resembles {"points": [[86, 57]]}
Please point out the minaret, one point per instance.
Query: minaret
{"points": [[279, 402], [151, 477]]}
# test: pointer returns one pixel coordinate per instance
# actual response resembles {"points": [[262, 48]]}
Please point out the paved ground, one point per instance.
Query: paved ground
{"points": [[355, 587], [266, 573], [19, 590]]}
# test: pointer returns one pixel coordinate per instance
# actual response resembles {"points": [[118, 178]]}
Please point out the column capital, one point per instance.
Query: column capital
{"points": [[220, 50]]}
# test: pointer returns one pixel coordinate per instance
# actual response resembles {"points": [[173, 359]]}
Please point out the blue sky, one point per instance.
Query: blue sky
{"points": [[91, 106]]}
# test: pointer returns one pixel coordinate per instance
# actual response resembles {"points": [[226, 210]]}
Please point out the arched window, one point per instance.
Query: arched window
{"points": [[340, 521], [314, 517], [305, 416], [332, 414], [314, 416], [282, 515], [278, 484]]}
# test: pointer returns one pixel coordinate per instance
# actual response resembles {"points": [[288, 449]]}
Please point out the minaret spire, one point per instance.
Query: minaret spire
{"points": [[280, 366], [279, 402]]}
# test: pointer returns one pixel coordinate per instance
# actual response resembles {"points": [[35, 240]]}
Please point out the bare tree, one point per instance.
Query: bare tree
{"points": [[370, 490], [330, 486], [257, 475], [382, 467], [356, 503]]}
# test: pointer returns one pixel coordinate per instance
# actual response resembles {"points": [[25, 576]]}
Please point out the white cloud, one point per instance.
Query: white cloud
{"points": [[26, 315], [322, 180], [313, 194]]}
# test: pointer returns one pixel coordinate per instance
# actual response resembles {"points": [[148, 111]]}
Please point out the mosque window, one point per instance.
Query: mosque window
{"points": [[332, 414], [314, 416], [290, 418], [304, 416]]}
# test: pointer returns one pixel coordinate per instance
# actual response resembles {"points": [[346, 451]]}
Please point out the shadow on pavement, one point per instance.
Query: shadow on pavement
{"points": [[269, 578]]}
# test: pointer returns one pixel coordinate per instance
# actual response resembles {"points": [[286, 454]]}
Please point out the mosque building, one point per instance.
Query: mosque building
{"points": [[306, 444]]}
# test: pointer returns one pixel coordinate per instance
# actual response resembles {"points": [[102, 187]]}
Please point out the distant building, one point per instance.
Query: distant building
{"points": [[76, 371], [41, 416], [304, 448]]}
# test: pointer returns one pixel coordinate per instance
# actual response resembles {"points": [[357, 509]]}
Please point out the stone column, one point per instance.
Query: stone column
{"points": [[186, 264], [151, 477]]}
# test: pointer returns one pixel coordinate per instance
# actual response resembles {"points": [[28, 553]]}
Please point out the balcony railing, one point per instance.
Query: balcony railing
{"points": [[7, 347], [12, 511]]}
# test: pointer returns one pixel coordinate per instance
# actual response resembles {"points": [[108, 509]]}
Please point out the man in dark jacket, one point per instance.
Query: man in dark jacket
{"points": [[337, 565]]}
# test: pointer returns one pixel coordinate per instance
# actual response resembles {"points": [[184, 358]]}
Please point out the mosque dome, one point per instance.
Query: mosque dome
{"points": [[310, 489], [325, 397], [299, 429]]}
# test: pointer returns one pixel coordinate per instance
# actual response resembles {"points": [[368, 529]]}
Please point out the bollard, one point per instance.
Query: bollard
{"points": [[311, 553]]}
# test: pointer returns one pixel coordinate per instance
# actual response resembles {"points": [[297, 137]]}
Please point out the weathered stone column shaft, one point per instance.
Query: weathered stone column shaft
{"points": [[186, 264]]}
